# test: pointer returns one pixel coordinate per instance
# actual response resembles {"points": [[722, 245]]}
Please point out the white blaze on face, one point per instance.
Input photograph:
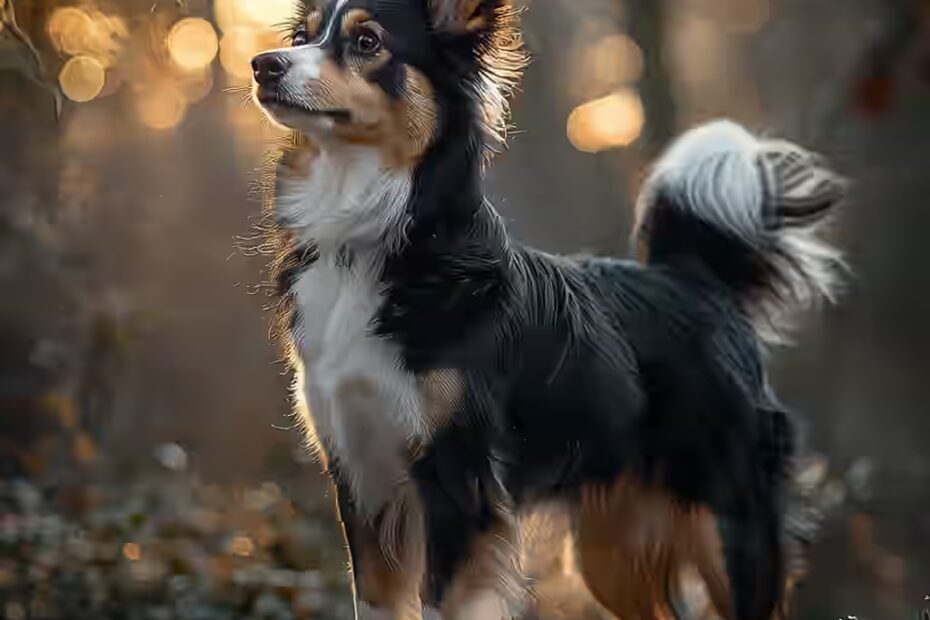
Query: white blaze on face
{"points": [[307, 60], [306, 63], [330, 28]]}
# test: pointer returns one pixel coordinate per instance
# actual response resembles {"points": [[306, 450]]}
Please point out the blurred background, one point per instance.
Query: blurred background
{"points": [[147, 464]]}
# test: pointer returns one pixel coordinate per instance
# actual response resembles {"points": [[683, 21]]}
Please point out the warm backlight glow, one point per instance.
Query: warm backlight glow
{"points": [[196, 85], [604, 65], [69, 28], [609, 122], [239, 46], [617, 57], [274, 13], [250, 27], [231, 14], [192, 43], [77, 31], [82, 78], [162, 106]]}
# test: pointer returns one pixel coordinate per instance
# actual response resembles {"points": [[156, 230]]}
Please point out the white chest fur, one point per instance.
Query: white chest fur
{"points": [[363, 406]]}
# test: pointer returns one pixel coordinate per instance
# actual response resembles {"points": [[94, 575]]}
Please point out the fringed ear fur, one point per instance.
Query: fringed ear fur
{"points": [[492, 27], [464, 16]]}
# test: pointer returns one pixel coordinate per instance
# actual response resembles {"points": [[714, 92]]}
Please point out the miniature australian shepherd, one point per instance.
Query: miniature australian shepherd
{"points": [[454, 380]]}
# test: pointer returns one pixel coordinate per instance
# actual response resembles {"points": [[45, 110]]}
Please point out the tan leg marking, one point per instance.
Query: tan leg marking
{"points": [[634, 543], [389, 557], [489, 584]]}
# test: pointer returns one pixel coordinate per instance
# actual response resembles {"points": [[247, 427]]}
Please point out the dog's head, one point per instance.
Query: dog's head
{"points": [[392, 73]]}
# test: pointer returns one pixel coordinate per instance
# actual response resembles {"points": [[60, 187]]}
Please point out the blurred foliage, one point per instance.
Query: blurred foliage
{"points": [[111, 218], [168, 548], [17, 52]]}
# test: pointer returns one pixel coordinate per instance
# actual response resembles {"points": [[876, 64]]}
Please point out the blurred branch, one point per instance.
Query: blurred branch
{"points": [[647, 26], [17, 52]]}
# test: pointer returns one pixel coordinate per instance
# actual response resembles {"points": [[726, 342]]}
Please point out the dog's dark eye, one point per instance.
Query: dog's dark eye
{"points": [[366, 41], [301, 37]]}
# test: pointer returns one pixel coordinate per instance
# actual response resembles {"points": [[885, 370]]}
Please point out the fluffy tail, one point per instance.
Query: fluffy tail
{"points": [[747, 208]]}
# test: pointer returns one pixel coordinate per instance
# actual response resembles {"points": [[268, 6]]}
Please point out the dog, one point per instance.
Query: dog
{"points": [[454, 380]]}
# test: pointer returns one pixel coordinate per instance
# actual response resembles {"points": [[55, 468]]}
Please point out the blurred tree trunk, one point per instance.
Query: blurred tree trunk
{"points": [[56, 357], [647, 26]]}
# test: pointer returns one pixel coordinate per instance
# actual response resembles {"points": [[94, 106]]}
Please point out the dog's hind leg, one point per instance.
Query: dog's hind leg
{"points": [[625, 548], [634, 546], [753, 549]]}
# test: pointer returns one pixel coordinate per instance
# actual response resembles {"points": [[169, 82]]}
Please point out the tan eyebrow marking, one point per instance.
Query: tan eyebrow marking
{"points": [[353, 18], [313, 22]]}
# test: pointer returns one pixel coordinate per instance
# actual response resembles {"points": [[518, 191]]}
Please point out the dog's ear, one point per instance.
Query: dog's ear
{"points": [[465, 16]]}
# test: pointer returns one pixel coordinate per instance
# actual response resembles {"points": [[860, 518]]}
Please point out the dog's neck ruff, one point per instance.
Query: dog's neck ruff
{"points": [[345, 198]]}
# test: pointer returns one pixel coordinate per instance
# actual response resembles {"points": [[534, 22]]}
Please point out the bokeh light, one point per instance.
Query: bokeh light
{"points": [[239, 46], [82, 78], [132, 551], [192, 43], [229, 14], [610, 62], [604, 64], [242, 546], [195, 85], [609, 122], [160, 106], [79, 31], [274, 14], [619, 57], [250, 27], [68, 28]]}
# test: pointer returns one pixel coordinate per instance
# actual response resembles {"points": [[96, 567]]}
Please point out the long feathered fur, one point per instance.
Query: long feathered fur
{"points": [[749, 210], [560, 378]]}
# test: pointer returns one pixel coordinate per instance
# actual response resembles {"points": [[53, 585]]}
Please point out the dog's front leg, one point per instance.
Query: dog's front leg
{"points": [[472, 570], [485, 583], [387, 556]]}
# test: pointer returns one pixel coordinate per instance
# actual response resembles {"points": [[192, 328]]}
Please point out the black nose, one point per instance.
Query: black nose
{"points": [[268, 68]]}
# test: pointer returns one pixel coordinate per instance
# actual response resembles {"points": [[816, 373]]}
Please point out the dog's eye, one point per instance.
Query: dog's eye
{"points": [[301, 37], [366, 41]]}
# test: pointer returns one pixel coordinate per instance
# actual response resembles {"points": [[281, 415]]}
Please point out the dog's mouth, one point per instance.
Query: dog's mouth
{"points": [[276, 100]]}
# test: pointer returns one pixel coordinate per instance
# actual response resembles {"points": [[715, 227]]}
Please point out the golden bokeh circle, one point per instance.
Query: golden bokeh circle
{"points": [[240, 45], [192, 43], [609, 122], [82, 78], [69, 28]]}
